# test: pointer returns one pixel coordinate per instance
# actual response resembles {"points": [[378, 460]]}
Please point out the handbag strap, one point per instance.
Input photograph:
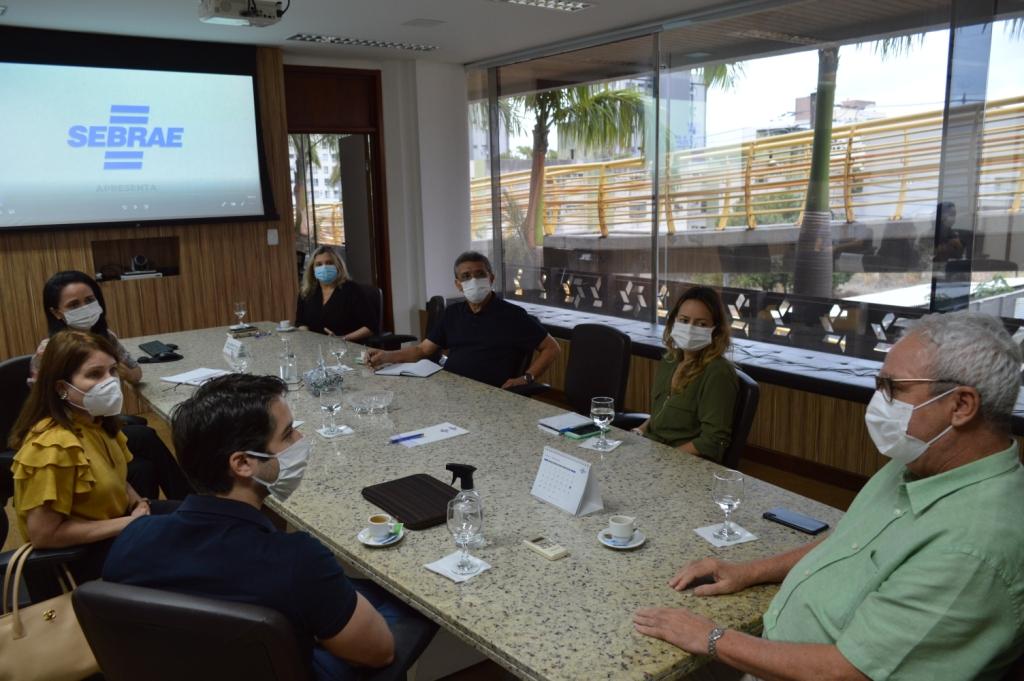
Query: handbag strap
{"points": [[15, 618], [8, 573]]}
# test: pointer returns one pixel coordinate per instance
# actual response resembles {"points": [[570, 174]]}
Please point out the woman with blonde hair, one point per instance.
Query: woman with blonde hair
{"points": [[695, 386], [71, 468], [330, 302]]}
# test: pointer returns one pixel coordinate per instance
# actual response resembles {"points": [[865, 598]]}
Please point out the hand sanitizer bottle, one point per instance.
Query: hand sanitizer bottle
{"points": [[464, 474]]}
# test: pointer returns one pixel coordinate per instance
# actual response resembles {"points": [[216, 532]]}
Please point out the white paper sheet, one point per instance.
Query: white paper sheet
{"points": [[194, 377], [441, 431]]}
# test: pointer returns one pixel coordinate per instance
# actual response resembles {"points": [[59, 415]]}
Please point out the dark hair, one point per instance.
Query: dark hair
{"points": [[226, 415], [52, 289], [472, 256], [64, 355]]}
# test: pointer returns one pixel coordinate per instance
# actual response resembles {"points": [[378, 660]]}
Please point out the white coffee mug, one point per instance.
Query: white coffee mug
{"points": [[380, 525], [284, 324], [621, 528]]}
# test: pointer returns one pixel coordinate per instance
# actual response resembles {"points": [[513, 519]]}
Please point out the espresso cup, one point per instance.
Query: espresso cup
{"points": [[380, 525], [284, 324], [621, 527]]}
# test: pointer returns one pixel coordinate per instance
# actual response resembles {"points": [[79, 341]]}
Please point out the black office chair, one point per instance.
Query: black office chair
{"points": [[743, 418], [435, 308], [598, 366], [13, 374], [385, 340], [142, 633]]}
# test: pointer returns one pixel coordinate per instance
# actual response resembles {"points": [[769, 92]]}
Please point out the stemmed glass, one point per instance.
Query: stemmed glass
{"points": [[240, 311], [338, 347], [602, 411], [465, 520], [727, 491], [330, 403]]}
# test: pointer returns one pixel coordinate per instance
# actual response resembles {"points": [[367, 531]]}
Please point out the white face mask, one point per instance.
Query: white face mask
{"points": [[291, 466], [476, 290], [85, 317], [690, 337], [887, 425], [103, 399]]}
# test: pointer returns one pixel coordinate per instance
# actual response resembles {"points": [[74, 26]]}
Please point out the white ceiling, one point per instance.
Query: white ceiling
{"points": [[473, 29]]}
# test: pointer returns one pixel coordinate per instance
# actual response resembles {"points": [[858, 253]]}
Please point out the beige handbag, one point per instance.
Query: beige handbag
{"points": [[41, 642]]}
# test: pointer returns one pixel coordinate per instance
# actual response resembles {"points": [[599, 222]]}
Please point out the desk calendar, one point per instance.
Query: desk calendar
{"points": [[567, 482]]}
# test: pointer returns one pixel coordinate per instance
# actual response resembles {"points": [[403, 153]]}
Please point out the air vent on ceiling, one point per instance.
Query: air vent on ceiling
{"points": [[423, 23], [361, 42], [557, 5]]}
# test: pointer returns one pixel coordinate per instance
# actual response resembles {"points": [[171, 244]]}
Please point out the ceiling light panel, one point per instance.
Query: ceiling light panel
{"points": [[361, 42], [557, 5]]}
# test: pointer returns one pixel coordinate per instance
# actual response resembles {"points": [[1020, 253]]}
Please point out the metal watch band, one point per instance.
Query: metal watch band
{"points": [[528, 377], [716, 633]]}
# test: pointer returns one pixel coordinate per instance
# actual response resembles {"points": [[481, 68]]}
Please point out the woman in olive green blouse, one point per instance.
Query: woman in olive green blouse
{"points": [[695, 386]]}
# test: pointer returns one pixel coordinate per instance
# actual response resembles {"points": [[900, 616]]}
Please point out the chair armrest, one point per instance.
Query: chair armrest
{"points": [[530, 389], [43, 558], [6, 476], [629, 420], [388, 341]]}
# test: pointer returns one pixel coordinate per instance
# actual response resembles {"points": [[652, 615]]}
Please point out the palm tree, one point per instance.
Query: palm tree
{"points": [[592, 117]]}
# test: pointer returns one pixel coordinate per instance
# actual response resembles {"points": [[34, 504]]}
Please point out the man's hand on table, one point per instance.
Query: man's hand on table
{"points": [[724, 577], [678, 626]]}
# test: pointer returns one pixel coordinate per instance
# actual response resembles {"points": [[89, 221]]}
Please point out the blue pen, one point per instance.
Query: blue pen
{"points": [[396, 440]]}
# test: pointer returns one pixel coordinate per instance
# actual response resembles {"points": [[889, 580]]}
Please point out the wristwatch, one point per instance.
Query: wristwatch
{"points": [[716, 633], [528, 377]]}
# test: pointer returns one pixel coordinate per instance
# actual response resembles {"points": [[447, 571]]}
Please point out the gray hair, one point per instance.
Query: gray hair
{"points": [[974, 349], [472, 256]]}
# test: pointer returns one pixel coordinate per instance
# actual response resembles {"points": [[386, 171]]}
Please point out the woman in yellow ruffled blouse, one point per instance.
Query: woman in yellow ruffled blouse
{"points": [[70, 471]]}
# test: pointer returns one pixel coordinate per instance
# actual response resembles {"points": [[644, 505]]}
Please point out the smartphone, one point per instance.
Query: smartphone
{"points": [[582, 432], [798, 521]]}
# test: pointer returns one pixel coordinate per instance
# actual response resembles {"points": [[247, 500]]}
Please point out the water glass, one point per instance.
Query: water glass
{"points": [[727, 491], [330, 403], [465, 521], [338, 347], [242, 360], [602, 411], [240, 311]]}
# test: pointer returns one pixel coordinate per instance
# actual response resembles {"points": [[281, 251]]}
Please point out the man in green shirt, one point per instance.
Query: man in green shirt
{"points": [[922, 577]]}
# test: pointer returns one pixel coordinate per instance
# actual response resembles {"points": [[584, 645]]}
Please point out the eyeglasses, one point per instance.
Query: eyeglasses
{"points": [[886, 385]]}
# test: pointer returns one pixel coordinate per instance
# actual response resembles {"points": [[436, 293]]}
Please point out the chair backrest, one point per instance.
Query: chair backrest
{"points": [[527, 358], [746, 407], [598, 366], [375, 297], [13, 374], [435, 308], [141, 633]]}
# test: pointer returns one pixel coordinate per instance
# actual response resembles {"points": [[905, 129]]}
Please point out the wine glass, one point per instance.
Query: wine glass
{"points": [[602, 411], [465, 520], [338, 347], [240, 311], [241, 360], [727, 491], [330, 403]]}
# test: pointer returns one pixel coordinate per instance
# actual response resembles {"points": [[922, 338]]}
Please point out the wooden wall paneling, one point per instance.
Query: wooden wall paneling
{"points": [[220, 262]]}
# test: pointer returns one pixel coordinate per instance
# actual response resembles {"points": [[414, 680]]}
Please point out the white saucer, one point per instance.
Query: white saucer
{"points": [[365, 538], [605, 537], [287, 329]]}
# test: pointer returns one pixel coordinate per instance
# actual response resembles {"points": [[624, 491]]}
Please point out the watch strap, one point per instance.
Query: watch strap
{"points": [[716, 633]]}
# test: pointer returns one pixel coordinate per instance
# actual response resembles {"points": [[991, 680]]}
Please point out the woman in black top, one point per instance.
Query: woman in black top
{"points": [[330, 302]]}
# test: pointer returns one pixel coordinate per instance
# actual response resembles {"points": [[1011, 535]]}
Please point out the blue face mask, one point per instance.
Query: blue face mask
{"points": [[325, 274]]}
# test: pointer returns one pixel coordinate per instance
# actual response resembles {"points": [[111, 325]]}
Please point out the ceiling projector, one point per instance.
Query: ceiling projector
{"points": [[239, 12]]}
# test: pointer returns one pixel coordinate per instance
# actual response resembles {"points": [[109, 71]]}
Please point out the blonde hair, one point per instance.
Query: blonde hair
{"points": [[310, 283], [690, 369]]}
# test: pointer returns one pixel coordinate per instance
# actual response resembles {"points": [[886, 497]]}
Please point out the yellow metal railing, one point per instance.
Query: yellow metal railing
{"points": [[330, 224], [886, 168]]}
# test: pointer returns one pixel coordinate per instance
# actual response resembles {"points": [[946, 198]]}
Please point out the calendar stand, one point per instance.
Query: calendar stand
{"points": [[567, 482]]}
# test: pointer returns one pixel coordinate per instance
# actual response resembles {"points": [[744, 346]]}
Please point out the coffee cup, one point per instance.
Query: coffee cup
{"points": [[621, 528], [380, 525], [284, 324]]}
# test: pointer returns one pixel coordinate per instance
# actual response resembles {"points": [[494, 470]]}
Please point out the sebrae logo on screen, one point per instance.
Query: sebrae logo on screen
{"points": [[126, 137]]}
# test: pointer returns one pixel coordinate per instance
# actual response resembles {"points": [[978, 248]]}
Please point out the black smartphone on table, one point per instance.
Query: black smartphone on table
{"points": [[797, 521], [582, 432]]}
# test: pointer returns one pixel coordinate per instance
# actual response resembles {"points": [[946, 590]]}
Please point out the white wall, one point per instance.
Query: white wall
{"points": [[426, 154]]}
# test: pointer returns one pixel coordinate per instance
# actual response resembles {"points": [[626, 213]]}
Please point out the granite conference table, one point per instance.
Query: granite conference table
{"points": [[540, 619]]}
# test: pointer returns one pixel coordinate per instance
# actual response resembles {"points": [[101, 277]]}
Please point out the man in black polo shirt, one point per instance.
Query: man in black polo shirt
{"points": [[236, 443], [486, 338]]}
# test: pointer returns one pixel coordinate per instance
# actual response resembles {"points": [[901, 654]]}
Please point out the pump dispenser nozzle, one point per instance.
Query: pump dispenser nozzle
{"points": [[462, 472]]}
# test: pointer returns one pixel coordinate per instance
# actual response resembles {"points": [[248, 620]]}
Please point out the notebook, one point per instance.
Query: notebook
{"points": [[420, 369], [556, 425], [194, 377]]}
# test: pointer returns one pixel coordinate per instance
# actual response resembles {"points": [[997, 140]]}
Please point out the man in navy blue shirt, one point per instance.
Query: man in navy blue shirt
{"points": [[486, 338], [236, 443]]}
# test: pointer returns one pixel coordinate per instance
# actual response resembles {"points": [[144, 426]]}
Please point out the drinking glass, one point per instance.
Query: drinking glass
{"points": [[338, 347], [242, 360], [330, 403], [602, 411], [465, 520], [727, 491], [240, 311]]}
